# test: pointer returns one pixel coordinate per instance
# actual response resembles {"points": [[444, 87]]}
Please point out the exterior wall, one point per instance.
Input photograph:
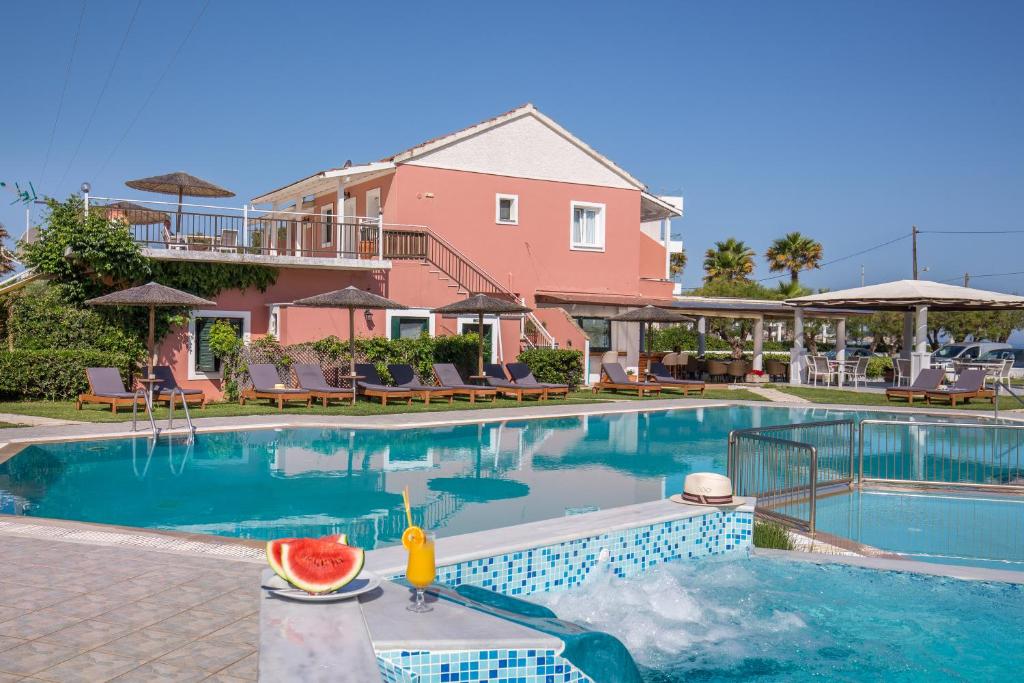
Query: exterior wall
{"points": [[653, 258]]}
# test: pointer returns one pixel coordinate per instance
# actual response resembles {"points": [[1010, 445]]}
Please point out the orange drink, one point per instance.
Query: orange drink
{"points": [[420, 570]]}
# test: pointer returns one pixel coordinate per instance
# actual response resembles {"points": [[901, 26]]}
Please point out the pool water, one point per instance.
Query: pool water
{"points": [[780, 620]]}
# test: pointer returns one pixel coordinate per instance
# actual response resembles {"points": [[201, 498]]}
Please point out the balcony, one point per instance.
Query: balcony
{"points": [[283, 239]]}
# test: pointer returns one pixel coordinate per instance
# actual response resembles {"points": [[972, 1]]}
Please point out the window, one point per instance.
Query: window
{"points": [[326, 224], [506, 209], [587, 227], [410, 323], [202, 364], [599, 330]]}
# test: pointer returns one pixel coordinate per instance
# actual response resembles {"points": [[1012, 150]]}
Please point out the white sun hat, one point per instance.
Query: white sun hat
{"points": [[705, 488]]}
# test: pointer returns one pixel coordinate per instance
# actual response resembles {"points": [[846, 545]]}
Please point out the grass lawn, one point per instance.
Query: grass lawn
{"points": [[819, 395], [7, 425], [65, 410]]}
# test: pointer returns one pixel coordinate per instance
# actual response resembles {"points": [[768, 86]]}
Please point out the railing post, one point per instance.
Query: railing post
{"points": [[814, 490], [245, 225], [380, 234], [995, 399]]}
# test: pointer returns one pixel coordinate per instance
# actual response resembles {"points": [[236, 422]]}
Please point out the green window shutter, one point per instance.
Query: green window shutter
{"points": [[205, 360], [396, 328]]}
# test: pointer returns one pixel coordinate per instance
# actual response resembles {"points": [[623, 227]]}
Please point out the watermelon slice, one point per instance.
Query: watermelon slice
{"points": [[274, 550], [319, 567]]}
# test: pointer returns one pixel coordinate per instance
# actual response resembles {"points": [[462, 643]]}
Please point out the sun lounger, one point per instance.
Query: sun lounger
{"points": [[405, 377], [264, 379], [310, 377], [448, 376], [371, 385], [497, 379], [106, 388], [618, 380], [661, 375], [523, 376], [169, 383], [927, 380], [970, 384]]}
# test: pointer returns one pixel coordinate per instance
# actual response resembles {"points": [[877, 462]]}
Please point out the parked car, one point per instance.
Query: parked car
{"points": [[1003, 354], [852, 353], [947, 354]]}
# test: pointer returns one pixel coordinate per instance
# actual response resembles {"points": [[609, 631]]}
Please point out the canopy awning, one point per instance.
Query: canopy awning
{"points": [[906, 295]]}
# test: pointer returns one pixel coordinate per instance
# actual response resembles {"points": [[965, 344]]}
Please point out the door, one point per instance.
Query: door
{"points": [[347, 243]]}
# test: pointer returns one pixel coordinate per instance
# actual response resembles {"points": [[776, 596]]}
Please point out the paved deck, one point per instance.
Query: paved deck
{"points": [[72, 611]]}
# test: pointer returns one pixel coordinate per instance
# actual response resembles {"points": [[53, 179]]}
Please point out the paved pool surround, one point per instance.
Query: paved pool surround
{"points": [[453, 643]]}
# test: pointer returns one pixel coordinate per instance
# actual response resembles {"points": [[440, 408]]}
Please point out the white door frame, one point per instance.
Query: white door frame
{"points": [[471, 323]]}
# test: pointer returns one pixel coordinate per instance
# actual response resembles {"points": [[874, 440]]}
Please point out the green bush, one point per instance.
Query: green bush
{"points": [[55, 375], [771, 535], [877, 366], [558, 366]]}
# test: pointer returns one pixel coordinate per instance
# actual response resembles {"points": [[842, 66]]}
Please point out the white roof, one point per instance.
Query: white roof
{"points": [[902, 295]]}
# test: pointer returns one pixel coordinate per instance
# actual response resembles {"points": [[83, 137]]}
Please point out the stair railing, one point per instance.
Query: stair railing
{"points": [[420, 244]]}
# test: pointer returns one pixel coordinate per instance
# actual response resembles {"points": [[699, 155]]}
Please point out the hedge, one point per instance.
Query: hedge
{"points": [[55, 375], [558, 366], [877, 365]]}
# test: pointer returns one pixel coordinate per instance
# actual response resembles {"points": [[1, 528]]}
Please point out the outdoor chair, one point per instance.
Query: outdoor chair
{"points": [[405, 377], [310, 377], [696, 367], [737, 370], [497, 379], [671, 362], [523, 376], [859, 372], [174, 242], [448, 377], [265, 384], [970, 384], [228, 241], [775, 369], [610, 357], [106, 388], [169, 384], [660, 374], [617, 380], [927, 380], [717, 370], [901, 371], [818, 369], [372, 386]]}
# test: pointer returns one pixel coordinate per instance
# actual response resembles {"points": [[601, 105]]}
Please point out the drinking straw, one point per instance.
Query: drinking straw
{"points": [[408, 509]]}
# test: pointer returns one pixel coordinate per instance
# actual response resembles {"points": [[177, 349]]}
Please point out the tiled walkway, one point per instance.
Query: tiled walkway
{"points": [[78, 612]]}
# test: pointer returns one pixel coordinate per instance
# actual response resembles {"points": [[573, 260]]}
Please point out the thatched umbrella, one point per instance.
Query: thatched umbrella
{"points": [[181, 184], [133, 214], [648, 315], [152, 295], [350, 298], [480, 305]]}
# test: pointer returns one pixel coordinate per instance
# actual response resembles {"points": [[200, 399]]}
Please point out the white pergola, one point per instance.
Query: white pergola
{"points": [[913, 298]]}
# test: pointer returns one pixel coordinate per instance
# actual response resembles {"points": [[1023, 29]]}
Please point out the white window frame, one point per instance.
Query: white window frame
{"points": [[410, 313], [515, 209], [246, 317], [471, 323], [334, 222], [374, 192], [601, 219]]}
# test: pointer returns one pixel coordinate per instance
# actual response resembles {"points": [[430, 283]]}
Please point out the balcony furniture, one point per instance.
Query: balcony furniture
{"points": [[228, 241], [311, 378], [523, 376], [927, 380], [497, 379], [659, 373], [970, 384], [372, 386], [174, 242], [265, 381], [901, 368], [448, 377], [405, 377], [106, 388], [168, 385], [617, 380], [717, 369]]}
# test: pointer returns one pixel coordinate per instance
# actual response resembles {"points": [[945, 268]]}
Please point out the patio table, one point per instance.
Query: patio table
{"points": [[839, 367]]}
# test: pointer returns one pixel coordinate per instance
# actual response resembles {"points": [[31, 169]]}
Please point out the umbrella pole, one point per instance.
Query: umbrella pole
{"points": [[480, 345], [352, 351], [151, 361]]}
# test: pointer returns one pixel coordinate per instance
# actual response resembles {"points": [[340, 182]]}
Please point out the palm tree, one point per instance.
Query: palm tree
{"points": [[676, 262], [730, 260], [6, 257], [794, 252]]}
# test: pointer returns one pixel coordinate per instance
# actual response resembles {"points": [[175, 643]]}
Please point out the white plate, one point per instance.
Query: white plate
{"points": [[364, 583]]}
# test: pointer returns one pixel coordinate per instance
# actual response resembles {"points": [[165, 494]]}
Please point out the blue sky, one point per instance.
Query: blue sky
{"points": [[847, 121]]}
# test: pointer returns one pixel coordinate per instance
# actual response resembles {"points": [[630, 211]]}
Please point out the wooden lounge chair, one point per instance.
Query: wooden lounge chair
{"points": [[310, 377], [106, 388], [927, 380], [168, 383], [264, 377], [614, 378], [371, 385], [448, 376], [497, 379], [660, 374], [523, 376], [970, 384], [405, 377]]}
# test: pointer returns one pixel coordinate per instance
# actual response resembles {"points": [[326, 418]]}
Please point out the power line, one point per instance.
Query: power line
{"points": [[973, 275], [103, 91], [844, 258], [156, 86], [971, 232], [64, 90]]}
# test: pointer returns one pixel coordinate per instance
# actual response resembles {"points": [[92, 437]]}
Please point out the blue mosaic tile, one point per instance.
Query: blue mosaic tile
{"points": [[459, 666]]}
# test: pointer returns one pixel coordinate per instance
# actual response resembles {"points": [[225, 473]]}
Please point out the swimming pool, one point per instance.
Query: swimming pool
{"points": [[298, 482], [775, 620]]}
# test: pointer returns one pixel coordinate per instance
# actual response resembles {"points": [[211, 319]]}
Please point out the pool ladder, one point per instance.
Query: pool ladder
{"points": [[155, 431]]}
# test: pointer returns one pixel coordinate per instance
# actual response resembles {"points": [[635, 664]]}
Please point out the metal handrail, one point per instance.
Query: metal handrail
{"points": [[188, 415], [149, 412]]}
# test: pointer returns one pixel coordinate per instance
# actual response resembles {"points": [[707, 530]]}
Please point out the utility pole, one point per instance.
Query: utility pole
{"points": [[967, 279], [913, 236], [862, 275]]}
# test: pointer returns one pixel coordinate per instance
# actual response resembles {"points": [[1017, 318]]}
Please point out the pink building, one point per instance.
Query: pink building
{"points": [[515, 206]]}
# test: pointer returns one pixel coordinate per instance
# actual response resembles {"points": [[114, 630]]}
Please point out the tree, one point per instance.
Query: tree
{"points": [[794, 252], [676, 262], [6, 257], [730, 259]]}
